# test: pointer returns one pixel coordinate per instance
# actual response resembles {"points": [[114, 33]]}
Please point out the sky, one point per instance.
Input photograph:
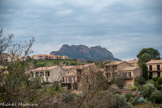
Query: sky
{"points": [[123, 27]]}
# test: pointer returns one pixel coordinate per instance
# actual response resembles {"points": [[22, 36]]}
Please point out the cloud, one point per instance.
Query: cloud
{"points": [[122, 26]]}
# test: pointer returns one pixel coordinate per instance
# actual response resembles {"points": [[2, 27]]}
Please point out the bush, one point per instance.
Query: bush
{"points": [[159, 81], [128, 96], [119, 81], [56, 86], [68, 97], [134, 100], [147, 90], [155, 79], [133, 88], [158, 86], [141, 100], [156, 96], [121, 102], [139, 81]]}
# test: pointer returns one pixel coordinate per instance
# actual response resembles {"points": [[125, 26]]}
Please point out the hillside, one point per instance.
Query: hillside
{"points": [[82, 52]]}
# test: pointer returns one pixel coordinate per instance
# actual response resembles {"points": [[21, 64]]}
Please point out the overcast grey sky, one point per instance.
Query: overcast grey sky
{"points": [[122, 26]]}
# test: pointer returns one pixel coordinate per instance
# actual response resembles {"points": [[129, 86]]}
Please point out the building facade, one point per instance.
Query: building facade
{"points": [[124, 69], [48, 74], [154, 68], [78, 76], [47, 57]]}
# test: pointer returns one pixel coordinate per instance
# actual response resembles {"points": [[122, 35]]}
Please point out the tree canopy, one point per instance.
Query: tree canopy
{"points": [[146, 54]]}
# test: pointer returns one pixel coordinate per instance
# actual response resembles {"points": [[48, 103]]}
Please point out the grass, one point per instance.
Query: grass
{"points": [[42, 63], [148, 105]]}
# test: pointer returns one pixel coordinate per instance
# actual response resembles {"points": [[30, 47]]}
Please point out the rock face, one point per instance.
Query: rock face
{"points": [[83, 52]]}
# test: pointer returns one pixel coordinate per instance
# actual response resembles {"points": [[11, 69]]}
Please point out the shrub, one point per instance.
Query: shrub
{"points": [[119, 81], [133, 88], [147, 90], [134, 100], [156, 96], [121, 102], [68, 97], [159, 81], [128, 96], [141, 100], [56, 86], [158, 86], [155, 79], [139, 80]]}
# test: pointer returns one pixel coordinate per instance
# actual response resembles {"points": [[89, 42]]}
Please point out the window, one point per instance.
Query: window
{"points": [[78, 79], [41, 74], [67, 79], [37, 74], [107, 68], [158, 67], [47, 73], [150, 67], [32, 75], [128, 74], [78, 71], [121, 74], [72, 79], [108, 75], [158, 74], [115, 67]]}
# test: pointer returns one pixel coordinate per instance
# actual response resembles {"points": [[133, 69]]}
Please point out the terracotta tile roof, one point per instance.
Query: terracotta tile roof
{"points": [[154, 62], [133, 61], [70, 74], [130, 68], [68, 67], [115, 62], [44, 68]]}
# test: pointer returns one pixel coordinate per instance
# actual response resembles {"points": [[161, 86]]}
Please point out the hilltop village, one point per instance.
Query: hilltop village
{"points": [[137, 81]]}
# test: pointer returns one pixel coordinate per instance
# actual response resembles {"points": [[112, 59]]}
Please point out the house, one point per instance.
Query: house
{"points": [[40, 57], [64, 57], [154, 68], [77, 76], [133, 62], [122, 68], [11, 57], [47, 57], [48, 74]]}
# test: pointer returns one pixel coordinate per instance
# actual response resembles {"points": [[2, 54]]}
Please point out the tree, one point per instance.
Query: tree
{"points": [[145, 55], [119, 81], [139, 81], [156, 96], [15, 85], [148, 53], [147, 90]]}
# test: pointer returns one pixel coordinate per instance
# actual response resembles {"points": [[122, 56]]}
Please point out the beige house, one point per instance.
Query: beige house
{"points": [[11, 57], [133, 62], [47, 57], [155, 68], [77, 76], [123, 68], [48, 74]]}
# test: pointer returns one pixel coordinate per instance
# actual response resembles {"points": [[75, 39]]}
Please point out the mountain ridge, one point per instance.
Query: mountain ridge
{"points": [[83, 52]]}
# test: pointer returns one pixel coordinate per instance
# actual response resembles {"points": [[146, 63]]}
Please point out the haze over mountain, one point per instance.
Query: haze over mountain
{"points": [[96, 53]]}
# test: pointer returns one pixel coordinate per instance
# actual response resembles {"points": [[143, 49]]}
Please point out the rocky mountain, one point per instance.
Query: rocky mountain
{"points": [[83, 52]]}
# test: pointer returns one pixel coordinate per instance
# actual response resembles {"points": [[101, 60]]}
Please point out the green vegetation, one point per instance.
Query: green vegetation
{"points": [[139, 81], [145, 55], [119, 81], [43, 63], [16, 87]]}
